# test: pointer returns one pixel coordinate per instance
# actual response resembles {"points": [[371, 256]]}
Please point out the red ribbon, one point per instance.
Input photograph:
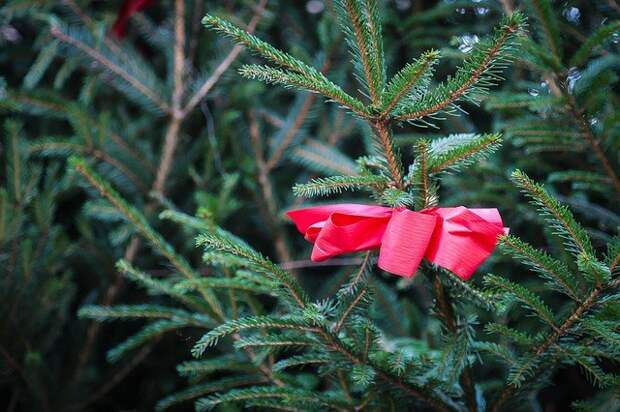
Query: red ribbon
{"points": [[128, 8], [455, 238]]}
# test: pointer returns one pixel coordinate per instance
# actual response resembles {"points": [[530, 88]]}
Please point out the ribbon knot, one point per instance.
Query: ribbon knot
{"points": [[456, 238]]}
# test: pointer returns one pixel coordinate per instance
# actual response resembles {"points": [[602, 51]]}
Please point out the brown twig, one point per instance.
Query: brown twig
{"points": [[446, 313], [177, 115], [172, 134], [291, 132], [507, 6], [383, 133], [225, 64], [268, 196], [158, 186]]}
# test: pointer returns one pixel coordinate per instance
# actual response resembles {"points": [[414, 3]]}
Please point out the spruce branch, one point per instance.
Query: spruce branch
{"points": [[559, 276], [354, 293], [274, 342], [479, 72], [543, 10], [283, 395], [106, 313], [251, 322], [323, 158], [501, 352], [409, 79], [257, 262], [560, 218], [141, 224], [301, 360], [421, 176], [448, 317], [260, 47], [457, 151], [613, 255], [146, 334], [157, 286], [586, 49], [390, 152], [594, 143], [425, 394], [321, 86], [373, 18], [459, 287], [362, 37], [515, 336], [63, 147], [204, 367], [565, 328], [196, 391], [336, 184], [526, 297]]}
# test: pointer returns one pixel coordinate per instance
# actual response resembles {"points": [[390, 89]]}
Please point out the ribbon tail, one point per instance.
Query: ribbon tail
{"points": [[405, 241]]}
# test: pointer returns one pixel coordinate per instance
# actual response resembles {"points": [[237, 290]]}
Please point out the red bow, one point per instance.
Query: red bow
{"points": [[128, 8], [455, 238]]}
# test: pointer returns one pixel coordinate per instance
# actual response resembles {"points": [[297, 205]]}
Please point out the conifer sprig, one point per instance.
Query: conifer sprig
{"points": [[257, 262], [317, 85], [560, 217], [360, 22], [480, 71], [326, 186], [259, 46], [411, 80], [457, 151], [571, 339], [260, 322], [552, 269], [142, 225], [593, 42]]}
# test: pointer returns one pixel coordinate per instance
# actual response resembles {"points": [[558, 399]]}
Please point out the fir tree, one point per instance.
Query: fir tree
{"points": [[276, 334], [336, 335]]}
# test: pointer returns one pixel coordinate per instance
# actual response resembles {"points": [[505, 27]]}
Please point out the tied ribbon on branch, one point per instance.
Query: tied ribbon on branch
{"points": [[456, 238]]}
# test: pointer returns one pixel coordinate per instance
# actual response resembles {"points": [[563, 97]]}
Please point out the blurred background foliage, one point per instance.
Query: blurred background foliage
{"points": [[68, 87]]}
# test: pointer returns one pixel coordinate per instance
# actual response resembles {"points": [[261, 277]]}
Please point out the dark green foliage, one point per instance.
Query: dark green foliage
{"points": [[178, 160]]}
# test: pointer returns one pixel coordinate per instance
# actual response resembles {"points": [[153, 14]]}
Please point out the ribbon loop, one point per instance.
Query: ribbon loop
{"points": [[457, 238]]}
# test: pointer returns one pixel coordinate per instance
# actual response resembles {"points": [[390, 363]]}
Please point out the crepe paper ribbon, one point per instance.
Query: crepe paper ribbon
{"points": [[128, 8], [456, 238]]}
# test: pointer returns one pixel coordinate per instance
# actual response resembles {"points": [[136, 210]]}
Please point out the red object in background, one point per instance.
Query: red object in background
{"points": [[129, 7]]}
